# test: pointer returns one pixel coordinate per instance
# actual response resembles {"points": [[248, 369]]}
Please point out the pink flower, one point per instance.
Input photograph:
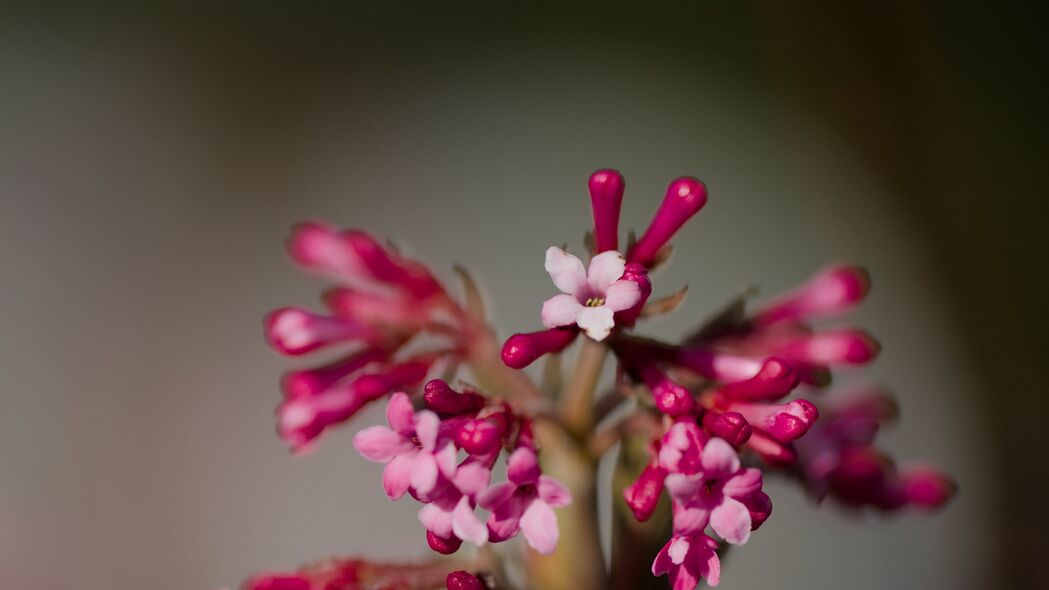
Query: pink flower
{"points": [[590, 297], [525, 503], [721, 494], [409, 447], [450, 515], [689, 559]]}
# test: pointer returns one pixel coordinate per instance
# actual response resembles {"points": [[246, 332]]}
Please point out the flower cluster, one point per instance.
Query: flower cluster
{"points": [[381, 304], [739, 397], [420, 452]]}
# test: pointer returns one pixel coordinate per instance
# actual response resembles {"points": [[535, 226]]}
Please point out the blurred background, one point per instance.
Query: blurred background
{"points": [[152, 159]]}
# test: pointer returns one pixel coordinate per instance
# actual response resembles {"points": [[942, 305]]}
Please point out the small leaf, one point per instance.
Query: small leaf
{"points": [[473, 301], [661, 257], [589, 243], [730, 319], [664, 305]]}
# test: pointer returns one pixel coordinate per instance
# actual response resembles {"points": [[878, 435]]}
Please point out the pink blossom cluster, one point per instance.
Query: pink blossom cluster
{"points": [[421, 452], [738, 397]]}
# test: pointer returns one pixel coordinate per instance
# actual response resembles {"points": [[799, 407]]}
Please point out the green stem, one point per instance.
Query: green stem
{"points": [[577, 402]]}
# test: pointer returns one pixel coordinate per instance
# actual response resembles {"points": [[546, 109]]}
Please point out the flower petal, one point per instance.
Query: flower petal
{"points": [[605, 269], [709, 565], [731, 521], [472, 478], [505, 520], [397, 476], [436, 520], [719, 458], [622, 295], [496, 496], [466, 525], [400, 414], [560, 310], [445, 459], [565, 270], [427, 424], [690, 518], [662, 563], [678, 550], [424, 473], [539, 525], [379, 443], [522, 467], [743, 483], [553, 493], [596, 322]]}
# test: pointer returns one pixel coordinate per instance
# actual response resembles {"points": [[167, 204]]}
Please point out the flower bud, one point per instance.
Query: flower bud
{"points": [[642, 496], [684, 198], [521, 350], [443, 545], [441, 398], [308, 382], [833, 347], [830, 292], [294, 331], [670, 398], [606, 196], [638, 274], [786, 422], [731, 426], [462, 580]]}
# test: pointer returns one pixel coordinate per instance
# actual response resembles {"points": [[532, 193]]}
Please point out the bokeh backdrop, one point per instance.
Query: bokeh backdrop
{"points": [[153, 157]]}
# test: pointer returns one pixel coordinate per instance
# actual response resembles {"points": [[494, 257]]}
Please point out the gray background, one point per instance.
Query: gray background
{"points": [[151, 161]]}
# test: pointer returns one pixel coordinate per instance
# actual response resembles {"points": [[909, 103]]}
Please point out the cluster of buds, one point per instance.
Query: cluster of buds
{"points": [[363, 574], [422, 451], [739, 397], [381, 305]]}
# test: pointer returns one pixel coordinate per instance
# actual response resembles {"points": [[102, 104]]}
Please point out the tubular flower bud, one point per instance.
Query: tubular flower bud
{"points": [[670, 398], [772, 451], [684, 198], [926, 487], [310, 382], [606, 196], [294, 331], [835, 347], [786, 422], [731, 426], [443, 545], [441, 398], [642, 496], [521, 350], [319, 248], [830, 292], [479, 436], [387, 268], [742, 377]]}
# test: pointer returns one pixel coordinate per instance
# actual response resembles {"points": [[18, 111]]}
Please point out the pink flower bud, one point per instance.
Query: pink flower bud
{"points": [[786, 422], [772, 451], [387, 268], [743, 377], [479, 436], [731, 426], [309, 382], [606, 196], [833, 347], [760, 507], [642, 496], [830, 292], [462, 580], [319, 248], [294, 331], [278, 582], [441, 398], [521, 350], [684, 198], [384, 309], [926, 487], [638, 274], [670, 398], [443, 545]]}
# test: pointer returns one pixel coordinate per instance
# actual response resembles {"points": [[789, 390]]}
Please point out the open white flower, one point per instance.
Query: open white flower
{"points": [[590, 297]]}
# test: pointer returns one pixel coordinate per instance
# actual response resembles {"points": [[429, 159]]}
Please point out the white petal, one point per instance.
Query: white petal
{"points": [[596, 322], [605, 269], [565, 270]]}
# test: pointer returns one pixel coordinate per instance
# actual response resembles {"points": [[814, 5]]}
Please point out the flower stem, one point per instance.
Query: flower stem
{"points": [[577, 401]]}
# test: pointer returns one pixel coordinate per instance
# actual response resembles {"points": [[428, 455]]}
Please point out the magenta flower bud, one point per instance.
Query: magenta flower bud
{"points": [[638, 274], [441, 398], [310, 382], [670, 397], [443, 545], [830, 292], [786, 422], [479, 436], [731, 426], [684, 198], [772, 451], [642, 496], [521, 350], [383, 309], [926, 487], [295, 331], [833, 347], [277, 582], [319, 248], [462, 580], [744, 377], [606, 196], [385, 267], [760, 507]]}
